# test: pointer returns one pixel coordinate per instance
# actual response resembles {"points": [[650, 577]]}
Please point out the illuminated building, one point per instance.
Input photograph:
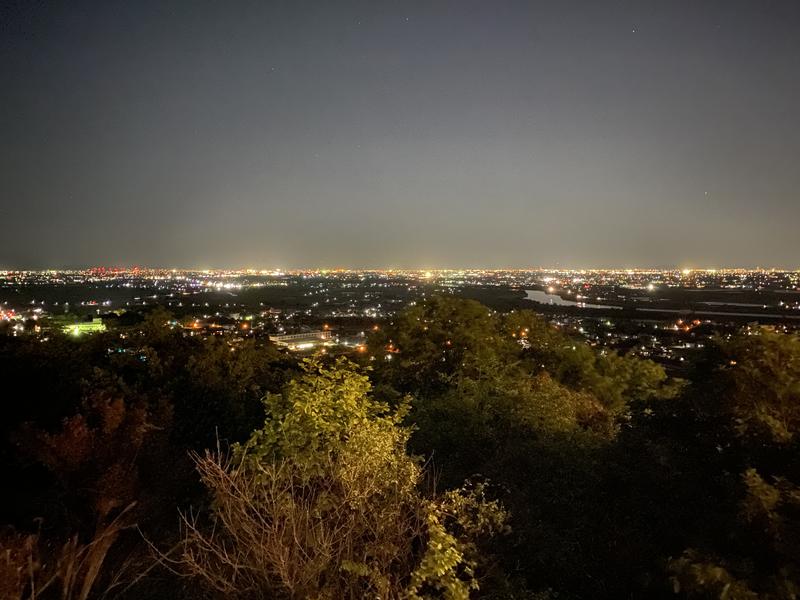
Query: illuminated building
{"points": [[303, 341], [93, 326]]}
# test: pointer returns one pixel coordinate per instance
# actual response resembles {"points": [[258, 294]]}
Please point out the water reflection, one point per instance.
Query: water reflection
{"points": [[545, 298]]}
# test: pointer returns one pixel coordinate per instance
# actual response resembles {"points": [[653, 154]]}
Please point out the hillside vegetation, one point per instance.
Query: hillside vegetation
{"points": [[465, 454]]}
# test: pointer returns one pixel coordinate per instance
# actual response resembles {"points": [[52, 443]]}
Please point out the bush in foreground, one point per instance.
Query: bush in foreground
{"points": [[324, 502]]}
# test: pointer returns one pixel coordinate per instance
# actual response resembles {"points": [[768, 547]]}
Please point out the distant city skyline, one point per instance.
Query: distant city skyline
{"points": [[451, 134], [262, 270]]}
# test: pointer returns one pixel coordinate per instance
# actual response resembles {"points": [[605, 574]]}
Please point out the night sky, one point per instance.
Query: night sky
{"points": [[400, 134]]}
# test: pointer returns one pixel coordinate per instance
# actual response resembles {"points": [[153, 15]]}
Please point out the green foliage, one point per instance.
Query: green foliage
{"points": [[448, 566], [513, 399], [750, 406], [438, 341], [443, 340], [607, 467], [96, 434], [616, 381], [324, 502], [759, 376], [316, 415], [697, 576], [769, 517]]}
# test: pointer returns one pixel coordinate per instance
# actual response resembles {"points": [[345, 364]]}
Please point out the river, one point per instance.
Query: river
{"points": [[556, 300]]}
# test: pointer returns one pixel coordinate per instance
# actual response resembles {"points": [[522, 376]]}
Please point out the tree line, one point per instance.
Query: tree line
{"points": [[466, 454]]}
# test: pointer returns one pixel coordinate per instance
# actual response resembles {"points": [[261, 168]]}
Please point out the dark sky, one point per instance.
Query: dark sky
{"points": [[400, 134]]}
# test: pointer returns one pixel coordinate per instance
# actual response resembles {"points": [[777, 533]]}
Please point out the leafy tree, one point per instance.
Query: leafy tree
{"points": [[617, 381], [109, 419], [749, 407], [437, 341], [324, 502], [537, 412], [757, 383]]}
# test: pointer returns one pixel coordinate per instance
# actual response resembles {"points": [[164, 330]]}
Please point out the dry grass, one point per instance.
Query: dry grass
{"points": [[32, 566], [347, 533]]}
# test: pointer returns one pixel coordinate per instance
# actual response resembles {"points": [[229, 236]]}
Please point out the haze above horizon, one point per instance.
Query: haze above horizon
{"points": [[412, 134]]}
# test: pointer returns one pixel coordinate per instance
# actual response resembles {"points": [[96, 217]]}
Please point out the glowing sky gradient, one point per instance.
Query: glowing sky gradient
{"points": [[400, 134]]}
